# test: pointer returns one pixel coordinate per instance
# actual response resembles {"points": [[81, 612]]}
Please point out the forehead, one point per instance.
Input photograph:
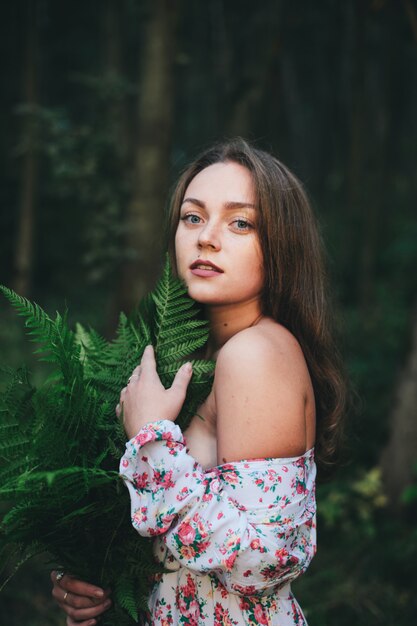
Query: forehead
{"points": [[226, 182]]}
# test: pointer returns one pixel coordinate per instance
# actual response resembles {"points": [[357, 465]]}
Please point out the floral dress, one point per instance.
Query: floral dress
{"points": [[232, 537]]}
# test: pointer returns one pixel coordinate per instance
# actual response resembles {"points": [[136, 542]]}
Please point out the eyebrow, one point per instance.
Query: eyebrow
{"points": [[227, 205]]}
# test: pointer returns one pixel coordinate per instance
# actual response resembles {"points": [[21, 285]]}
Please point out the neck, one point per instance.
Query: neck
{"points": [[227, 320]]}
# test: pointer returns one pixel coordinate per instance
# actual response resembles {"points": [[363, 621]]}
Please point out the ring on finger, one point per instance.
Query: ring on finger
{"points": [[133, 376], [65, 595], [59, 575]]}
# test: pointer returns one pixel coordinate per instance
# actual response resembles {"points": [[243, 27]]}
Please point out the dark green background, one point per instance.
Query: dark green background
{"points": [[331, 88]]}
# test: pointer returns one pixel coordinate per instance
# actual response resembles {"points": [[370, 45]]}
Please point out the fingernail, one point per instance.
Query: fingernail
{"points": [[99, 593], [188, 367]]}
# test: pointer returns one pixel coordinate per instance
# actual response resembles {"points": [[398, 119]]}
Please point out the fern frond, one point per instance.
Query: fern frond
{"points": [[41, 327], [126, 595], [60, 444]]}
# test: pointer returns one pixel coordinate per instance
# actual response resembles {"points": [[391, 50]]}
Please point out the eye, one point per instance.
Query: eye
{"points": [[242, 224], [191, 218]]}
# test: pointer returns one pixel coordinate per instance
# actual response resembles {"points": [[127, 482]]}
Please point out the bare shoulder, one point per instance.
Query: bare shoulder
{"points": [[269, 342], [263, 394]]}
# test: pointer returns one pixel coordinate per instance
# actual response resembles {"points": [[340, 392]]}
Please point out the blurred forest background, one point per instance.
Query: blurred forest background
{"points": [[103, 102]]}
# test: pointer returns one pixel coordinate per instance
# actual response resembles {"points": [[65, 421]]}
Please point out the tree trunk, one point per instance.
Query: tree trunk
{"points": [[145, 214], [399, 458], [23, 263], [113, 15]]}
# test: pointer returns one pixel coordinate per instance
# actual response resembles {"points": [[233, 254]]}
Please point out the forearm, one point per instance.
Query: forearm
{"points": [[200, 522]]}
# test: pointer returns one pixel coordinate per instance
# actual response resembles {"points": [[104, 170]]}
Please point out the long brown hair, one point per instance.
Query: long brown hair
{"points": [[295, 288]]}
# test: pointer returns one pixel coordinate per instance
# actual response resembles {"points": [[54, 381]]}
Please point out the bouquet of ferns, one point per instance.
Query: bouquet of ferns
{"points": [[60, 443]]}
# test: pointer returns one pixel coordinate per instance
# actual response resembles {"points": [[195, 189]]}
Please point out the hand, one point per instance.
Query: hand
{"points": [[81, 601], [145, 399]]}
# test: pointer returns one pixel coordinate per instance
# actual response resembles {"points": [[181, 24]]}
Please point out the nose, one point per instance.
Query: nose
{"points": [[208, 237]]}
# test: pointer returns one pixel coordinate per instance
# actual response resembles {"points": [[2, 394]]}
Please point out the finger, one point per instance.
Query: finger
{"points": [[182, 378], [136, 371], [79, 615], [81, 588], [118, 410], [135, 375], [90, 622], [71, 622], [148, 358], [68, 599]]}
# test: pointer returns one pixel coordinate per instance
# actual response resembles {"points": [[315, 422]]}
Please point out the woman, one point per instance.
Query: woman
{"points": [[233, 509]]}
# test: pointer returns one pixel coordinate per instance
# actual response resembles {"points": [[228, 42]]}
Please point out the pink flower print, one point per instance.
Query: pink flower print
{"points": [[170, 444], [222, 616], [218, 614], [140, 516], [186, 534], [189, 589], [182, 494], [201, 527], [255, 544], [285, 558], [260, 615], [202, 546], [301, 462], [144, 437], [231, 477], [163, 479], [125, 463], [232, 541], [182, 607], [247, 573], [215, 486], [166, 520], [229, 562], [282, 556], [274, 477], [248, 590], [140, 480], [300, 487], [194, 608], [187, 552]]}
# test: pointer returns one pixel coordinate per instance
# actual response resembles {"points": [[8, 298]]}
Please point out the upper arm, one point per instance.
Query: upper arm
{"points": [[260, 394]]}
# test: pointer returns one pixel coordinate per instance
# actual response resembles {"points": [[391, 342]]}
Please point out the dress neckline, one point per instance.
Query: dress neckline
{"points": [[256, 461]]}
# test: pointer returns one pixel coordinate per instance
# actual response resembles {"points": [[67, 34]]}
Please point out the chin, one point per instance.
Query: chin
{"points": [[202, 296]]}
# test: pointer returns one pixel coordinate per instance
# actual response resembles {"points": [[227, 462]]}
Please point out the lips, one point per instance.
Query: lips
{"points": [[202, 264]]}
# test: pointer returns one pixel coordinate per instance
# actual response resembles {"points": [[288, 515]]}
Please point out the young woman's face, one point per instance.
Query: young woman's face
{"points": [[216, 243]]}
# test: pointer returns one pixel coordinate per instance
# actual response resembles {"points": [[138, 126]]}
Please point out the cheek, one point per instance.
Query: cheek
{"points": [[256, 267]]}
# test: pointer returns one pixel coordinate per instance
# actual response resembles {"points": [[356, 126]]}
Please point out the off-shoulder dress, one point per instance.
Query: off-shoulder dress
{"points": [[234, 537]]}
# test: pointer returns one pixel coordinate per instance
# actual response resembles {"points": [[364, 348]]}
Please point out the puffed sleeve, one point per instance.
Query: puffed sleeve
{"points": [[251, 524]]}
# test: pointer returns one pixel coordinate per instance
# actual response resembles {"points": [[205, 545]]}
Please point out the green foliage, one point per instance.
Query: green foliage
{"points": [[352, 503], [61, 443]]}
